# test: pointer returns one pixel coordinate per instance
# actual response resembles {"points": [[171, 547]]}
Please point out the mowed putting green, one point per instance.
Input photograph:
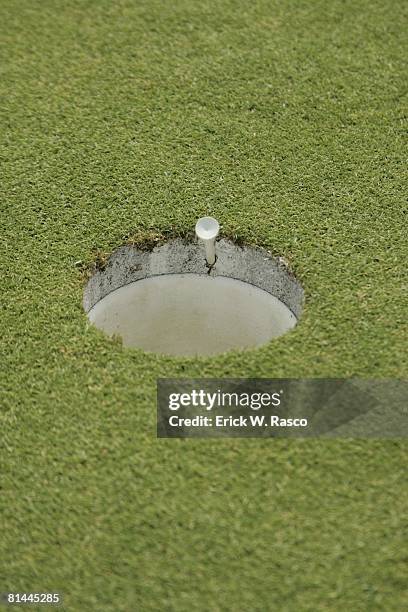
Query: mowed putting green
{"points": [[127, 121]]}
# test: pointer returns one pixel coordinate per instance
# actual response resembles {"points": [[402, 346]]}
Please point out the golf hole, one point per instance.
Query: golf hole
{"points": [[170, 301]]}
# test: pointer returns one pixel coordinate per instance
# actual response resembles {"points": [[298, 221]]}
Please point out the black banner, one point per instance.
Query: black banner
{"points": [[259, 408]]}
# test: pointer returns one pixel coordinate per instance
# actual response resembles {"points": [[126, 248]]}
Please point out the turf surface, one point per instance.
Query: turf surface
{"points": [[286, 121]]}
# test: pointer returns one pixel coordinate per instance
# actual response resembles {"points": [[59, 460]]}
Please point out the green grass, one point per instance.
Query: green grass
{"points": [[286, 121]]}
